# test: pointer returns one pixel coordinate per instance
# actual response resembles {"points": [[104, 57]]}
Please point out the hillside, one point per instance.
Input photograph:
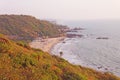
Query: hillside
{"points": [[24, 27], [20, 62]]}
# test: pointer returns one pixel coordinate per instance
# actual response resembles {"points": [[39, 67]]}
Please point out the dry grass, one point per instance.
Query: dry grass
{"points": [[18, 62]]}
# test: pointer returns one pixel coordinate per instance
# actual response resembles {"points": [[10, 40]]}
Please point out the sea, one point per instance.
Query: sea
{"points": [[90, 51]]}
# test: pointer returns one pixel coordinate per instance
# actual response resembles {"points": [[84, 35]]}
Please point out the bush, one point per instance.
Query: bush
{"points": [[73, 76], [4, 47], [23, 44], [47, 66], [24, 60]]}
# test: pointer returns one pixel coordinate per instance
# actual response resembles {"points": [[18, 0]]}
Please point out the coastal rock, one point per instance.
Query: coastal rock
{"points": [[100, 67], [102, 38], [78, 29], [74, 30], [74, 35]]}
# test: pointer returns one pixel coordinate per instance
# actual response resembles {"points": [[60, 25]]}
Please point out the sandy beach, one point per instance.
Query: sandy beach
{"points": [[45, 44]]}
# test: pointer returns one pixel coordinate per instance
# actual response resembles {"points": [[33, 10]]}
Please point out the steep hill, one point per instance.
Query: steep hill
{"points": [[20, 62], [24, 27]]}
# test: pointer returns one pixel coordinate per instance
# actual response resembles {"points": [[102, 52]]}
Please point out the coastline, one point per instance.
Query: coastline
{"points": [[46, 44]]}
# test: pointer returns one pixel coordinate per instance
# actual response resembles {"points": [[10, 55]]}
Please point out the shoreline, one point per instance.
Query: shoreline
{"points": [[46, 44], [60, 39]]}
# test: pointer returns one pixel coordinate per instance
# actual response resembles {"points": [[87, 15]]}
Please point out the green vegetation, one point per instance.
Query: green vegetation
{"points": [[18, 62], [24, 27]]}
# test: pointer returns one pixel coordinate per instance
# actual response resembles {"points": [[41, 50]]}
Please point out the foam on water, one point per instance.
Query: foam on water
{"points": [[100, 54]]}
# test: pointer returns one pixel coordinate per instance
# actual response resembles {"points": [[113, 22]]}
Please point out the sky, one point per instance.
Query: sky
{"points": [[63, 9]]}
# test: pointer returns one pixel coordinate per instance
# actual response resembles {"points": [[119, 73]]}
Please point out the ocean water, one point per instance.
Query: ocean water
{"points": [[99, 54]]}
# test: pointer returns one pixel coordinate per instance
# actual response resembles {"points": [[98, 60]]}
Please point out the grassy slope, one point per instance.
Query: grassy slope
{"points": [[20, 62], [27, 27]]}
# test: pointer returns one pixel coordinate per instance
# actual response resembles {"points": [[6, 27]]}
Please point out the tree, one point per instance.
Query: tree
{"points": [[61, 53]]}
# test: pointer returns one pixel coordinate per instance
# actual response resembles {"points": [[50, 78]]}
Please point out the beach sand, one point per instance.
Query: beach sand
{"points": [[45, 44]]}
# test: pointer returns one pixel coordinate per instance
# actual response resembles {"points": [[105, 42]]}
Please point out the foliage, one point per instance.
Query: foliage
{"points": [[23, 44], [73, 76], [24, 27], [24, 60], [21, 63]]}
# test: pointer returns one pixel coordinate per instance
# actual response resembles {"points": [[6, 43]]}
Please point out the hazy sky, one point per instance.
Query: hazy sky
{"points": [[63, 9]]}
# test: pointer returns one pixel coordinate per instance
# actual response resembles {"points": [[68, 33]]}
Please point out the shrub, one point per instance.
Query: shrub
{"points": [[46, 66], [24, 60], [4, 47], [23, 44], [73, 76], [57, 70]]}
